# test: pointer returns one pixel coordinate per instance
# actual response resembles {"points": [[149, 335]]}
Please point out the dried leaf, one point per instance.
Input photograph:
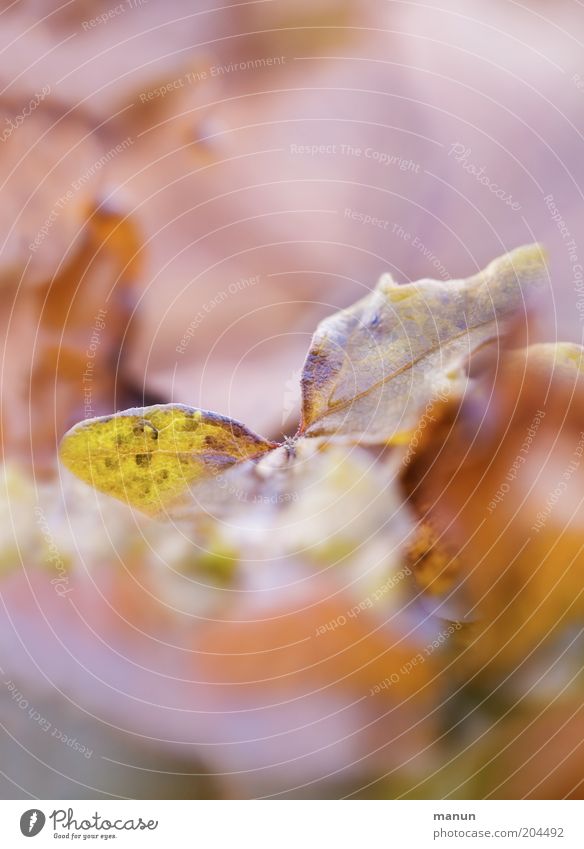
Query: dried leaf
{"points": [[150, 456], [74, 328], [393, 346], [498, 477], [373, 366]]}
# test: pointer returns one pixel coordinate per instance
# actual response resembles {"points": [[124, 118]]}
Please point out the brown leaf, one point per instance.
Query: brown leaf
{"points": [[78, 321]]}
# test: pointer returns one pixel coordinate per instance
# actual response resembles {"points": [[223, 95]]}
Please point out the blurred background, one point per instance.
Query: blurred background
{"points": [[187, 189]]}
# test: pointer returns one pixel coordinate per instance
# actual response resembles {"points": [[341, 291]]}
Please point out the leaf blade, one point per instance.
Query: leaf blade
{"points": [[149, 457], [372, 366]]}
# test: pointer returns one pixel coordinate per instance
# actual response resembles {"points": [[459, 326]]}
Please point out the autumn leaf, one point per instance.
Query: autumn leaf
{"points": [[373, 366], [497, 483], [369, 371], [150, 456], [72, 329]]}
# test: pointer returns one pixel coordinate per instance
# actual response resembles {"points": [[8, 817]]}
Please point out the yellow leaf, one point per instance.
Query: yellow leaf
{"points": [[150, 457], [373, 366]]}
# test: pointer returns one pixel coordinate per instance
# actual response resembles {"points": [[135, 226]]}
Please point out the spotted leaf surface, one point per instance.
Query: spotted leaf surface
{"points": [[150, 457]]}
